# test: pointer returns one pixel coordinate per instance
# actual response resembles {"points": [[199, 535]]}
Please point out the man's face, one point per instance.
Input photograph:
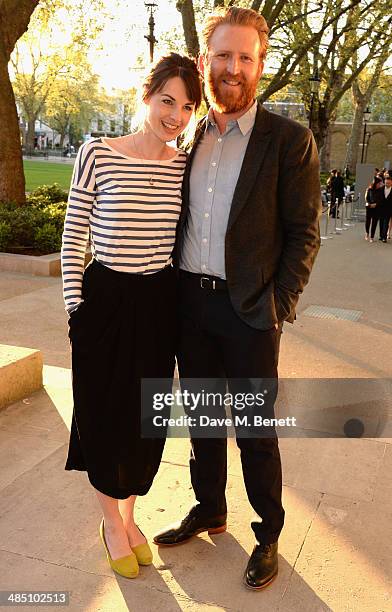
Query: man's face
{"points": [[232, 68], [388, 181]]}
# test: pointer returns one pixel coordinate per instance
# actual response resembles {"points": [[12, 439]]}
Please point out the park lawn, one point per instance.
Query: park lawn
{"points": [[39, 173]]}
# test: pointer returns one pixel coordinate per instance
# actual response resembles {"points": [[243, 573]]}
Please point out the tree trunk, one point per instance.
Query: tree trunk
{"points": [[14, 20], [12, 182], [325, 153], [30, 136], [185, 7], [320, 122], [355, 137]]}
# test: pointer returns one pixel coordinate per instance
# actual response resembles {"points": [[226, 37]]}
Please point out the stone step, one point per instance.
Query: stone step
{"points": [[37, 265], [20, 373]]}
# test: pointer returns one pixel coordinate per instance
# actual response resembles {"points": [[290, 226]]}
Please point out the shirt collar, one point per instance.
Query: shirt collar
{"points": [[245, 122]]}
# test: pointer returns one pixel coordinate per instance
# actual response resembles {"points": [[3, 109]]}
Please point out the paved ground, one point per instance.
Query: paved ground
{"points": [[54, 159], [335, 551]]}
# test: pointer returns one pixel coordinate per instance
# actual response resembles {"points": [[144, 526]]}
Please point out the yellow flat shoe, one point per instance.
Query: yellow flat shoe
{"points": [[143, 552], [127, 566]]}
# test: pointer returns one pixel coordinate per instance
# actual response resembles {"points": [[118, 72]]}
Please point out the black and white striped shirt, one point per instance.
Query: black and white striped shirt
{"points": [[130, 222]]}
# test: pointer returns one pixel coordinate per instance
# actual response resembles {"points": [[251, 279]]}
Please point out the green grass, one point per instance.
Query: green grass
{"points": [[39, 173]]}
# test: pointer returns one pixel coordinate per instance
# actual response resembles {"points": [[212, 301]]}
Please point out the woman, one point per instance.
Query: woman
{"points": [[385, 213], [373, 199], [126, 197]]}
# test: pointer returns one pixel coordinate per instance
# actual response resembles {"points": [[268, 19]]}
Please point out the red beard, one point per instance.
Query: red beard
{"points": [[226, 101]]}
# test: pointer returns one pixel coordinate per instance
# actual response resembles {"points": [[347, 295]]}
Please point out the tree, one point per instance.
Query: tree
{"points": [[326, 42], [49, 61], [307, 33], [72, 102], [15, 16], [366, 32], [33, 86], [363, 89], [123, 106], [14, 20], [189, 26]]}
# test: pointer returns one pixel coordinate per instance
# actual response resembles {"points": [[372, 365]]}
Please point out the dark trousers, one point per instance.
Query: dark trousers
{"points": [[384, 223], [371, 221], [214, 342], [335, 204]]}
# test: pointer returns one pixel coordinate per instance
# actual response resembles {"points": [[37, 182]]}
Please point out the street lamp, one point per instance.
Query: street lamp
{"points": [[151, 6], [366, 117], [314, 82]]}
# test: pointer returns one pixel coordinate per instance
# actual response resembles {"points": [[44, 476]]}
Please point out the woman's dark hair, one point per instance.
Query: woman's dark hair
{"points": [[375, 182], [168, 67]]}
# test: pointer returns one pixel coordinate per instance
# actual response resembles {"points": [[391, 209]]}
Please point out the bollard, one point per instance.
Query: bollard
{"points": [[337, 229], [349, 217], [326, 237], [342, 217]]}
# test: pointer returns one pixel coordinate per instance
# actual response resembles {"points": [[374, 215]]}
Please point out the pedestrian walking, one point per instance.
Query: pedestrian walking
{"points": [[373, 203], [338, 191], [386, 208]]}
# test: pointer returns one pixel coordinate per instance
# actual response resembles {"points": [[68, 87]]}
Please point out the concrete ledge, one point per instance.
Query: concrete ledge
{"points": [[43, 265], [20, 373]]}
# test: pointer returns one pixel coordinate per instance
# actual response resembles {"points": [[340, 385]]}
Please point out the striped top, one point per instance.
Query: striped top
{"points": [[131, 223]]}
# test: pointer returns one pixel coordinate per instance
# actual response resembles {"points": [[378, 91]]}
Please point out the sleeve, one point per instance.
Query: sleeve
{"points": [[300, 209], [77, 225]]}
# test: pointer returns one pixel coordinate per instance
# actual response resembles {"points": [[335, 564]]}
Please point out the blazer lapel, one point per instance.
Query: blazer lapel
{"points": [[254, 156]]}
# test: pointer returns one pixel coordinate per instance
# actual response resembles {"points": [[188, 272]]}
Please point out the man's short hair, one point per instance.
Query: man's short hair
{"points": [[235, 15]]}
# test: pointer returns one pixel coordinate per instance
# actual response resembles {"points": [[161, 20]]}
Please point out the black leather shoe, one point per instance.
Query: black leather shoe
{"points": [[190, 526], [262, 567]]}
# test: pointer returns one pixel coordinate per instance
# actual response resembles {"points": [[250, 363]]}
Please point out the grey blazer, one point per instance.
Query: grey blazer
{"points": [[272, 236]]}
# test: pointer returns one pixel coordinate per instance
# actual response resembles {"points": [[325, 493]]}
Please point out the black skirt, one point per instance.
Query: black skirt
{"points": [[123, 331]]}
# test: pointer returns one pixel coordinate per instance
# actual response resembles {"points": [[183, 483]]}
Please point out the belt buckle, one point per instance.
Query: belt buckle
{"points": [[205, 278]]}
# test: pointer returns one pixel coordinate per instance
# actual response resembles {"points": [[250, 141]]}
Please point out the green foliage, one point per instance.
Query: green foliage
{"points": [[346, 108], [23, 221], [381, 100], [38, 225], [47, 238], [48, 194], [324, 177], [5, 235]]}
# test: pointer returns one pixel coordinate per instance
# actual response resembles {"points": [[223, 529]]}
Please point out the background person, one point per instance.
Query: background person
{"points": [[339, 190], [373, 201], [386, 207]]}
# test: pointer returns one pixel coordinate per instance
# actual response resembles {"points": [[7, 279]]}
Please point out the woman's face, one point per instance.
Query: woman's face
{"points": [[169, 110]]}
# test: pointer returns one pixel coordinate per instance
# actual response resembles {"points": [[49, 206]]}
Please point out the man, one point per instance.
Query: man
{"points": [[331, 188], [338, 191], [247, 239], [385, 211]]}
